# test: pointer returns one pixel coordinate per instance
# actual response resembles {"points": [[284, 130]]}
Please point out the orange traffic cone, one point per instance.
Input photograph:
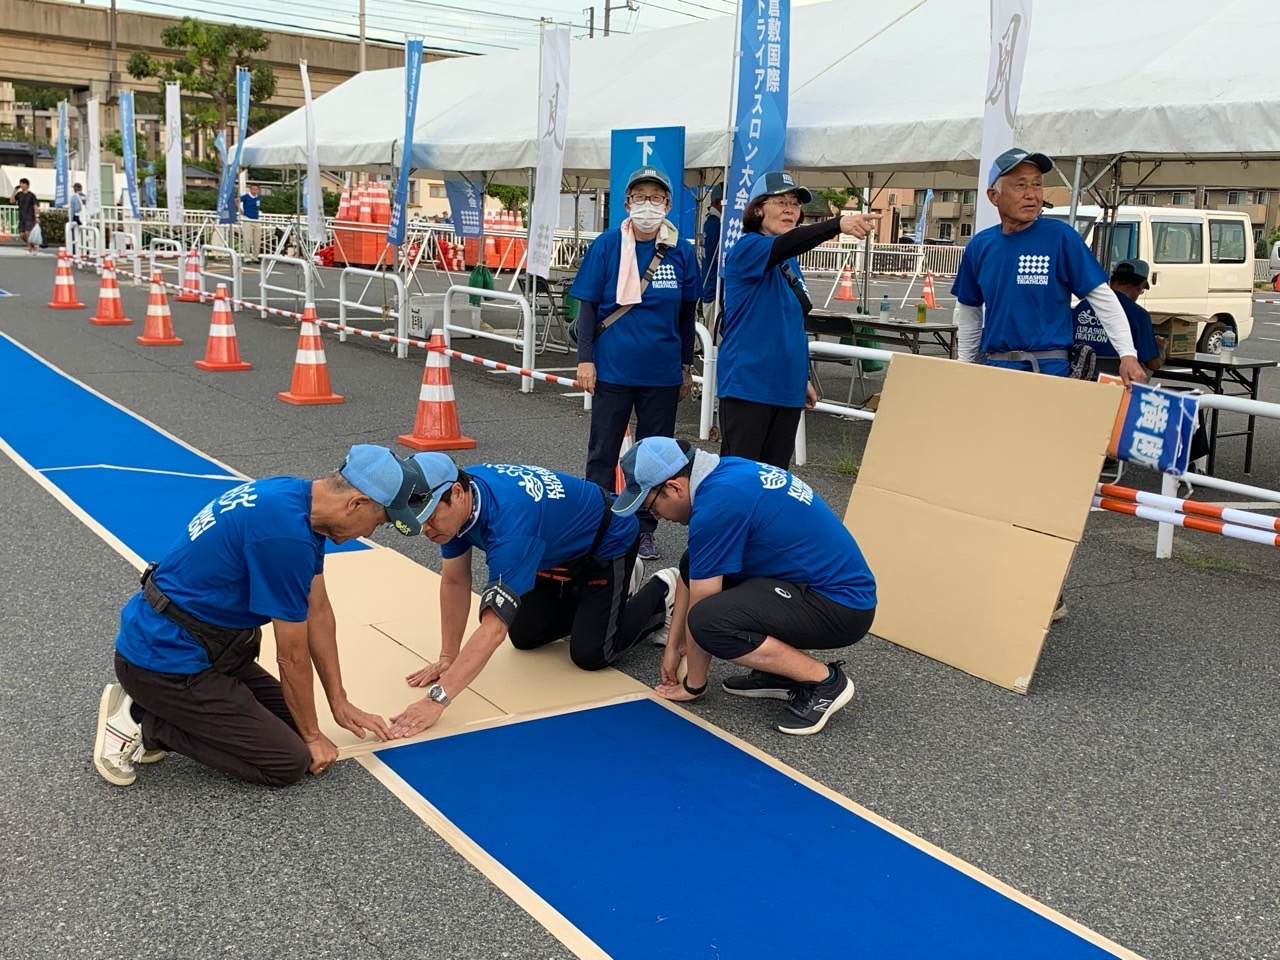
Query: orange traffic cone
{"points": [[619, 478], [310, 369], [192, 283], [846, 285], [436, 425], [110, 312], [222, 352], [929, 299], [157, 329], [64, 285]]}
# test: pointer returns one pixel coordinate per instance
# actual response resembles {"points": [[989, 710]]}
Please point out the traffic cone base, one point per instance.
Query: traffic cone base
{"points": [[110, 312], [64, 286], [222, 353], [310, 370], [435, 427]]}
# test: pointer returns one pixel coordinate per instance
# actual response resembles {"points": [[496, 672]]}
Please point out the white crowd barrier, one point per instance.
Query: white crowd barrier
{"points": [[304, 294], [386, 311], [125, 246], [235, 277], [165, 255], [527, 330]]}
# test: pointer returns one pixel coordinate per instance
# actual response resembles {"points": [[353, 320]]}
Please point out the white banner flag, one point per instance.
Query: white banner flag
{"points": [[93, 174], [553, 121], [1010, 34], [174, 168], [315, 199]]}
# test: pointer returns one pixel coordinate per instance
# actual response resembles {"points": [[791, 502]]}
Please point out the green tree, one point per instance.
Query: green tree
{"points": [[839, 197], [512, 197], [207, 56]]}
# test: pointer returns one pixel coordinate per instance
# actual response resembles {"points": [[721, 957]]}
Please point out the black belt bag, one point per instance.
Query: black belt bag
{"points": [[574, 568], [228, 649]]}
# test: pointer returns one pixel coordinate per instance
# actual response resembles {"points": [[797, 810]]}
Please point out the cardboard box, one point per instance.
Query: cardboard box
{"points": [[1182, 334]]}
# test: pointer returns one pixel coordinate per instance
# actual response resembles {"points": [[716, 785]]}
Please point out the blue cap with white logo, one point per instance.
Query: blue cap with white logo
{"points": [[1011, 158], [775, 183], [438, 472], [652, 461], [390, 480]]}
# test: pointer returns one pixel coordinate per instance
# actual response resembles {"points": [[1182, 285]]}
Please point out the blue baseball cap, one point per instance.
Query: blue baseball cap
{"points": [[652, 461], [717, 193], [439, 473], [390, 480], [1011, 158], [651, 174], [772, 184], [1133, 271]]}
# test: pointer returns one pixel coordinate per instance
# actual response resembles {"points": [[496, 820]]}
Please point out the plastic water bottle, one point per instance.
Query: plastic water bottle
{"points": [[884, 309], [1227, 345], [922, 312]]}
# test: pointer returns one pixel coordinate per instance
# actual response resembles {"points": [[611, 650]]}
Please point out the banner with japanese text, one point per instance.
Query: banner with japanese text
{"points": [[924, 215], [1010, 36], [412, 79], [61, 195], [174, 168], [231, 161], [129, 147], [93, 175], [760, 114], [466, 203], [312, 197], [553, 122], [1154, 429]]}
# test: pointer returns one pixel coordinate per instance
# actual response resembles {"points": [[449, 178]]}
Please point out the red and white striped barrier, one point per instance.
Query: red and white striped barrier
{"points": [[1176, 519], [1209, 511]]}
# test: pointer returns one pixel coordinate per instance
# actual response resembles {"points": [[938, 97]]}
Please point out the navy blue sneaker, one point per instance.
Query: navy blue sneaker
{"points": [[648, 547]]}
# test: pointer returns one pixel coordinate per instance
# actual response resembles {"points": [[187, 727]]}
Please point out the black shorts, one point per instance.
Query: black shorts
{"points": [[735, 621]]}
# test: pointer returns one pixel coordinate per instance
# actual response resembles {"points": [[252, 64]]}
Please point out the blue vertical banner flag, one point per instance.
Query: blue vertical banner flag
{"points": [[60, 197], [924, 215], [149, 186], [129, 144], [412, 78], [760, 114], [466, 201], [1154, 429], [230, 170], [661, 147]]}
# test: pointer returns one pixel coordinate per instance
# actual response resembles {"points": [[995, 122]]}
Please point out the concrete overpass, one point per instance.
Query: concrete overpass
{"points": [[68, 44]]}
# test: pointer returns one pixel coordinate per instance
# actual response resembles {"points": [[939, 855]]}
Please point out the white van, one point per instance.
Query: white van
{"points": [[1201, 262]]}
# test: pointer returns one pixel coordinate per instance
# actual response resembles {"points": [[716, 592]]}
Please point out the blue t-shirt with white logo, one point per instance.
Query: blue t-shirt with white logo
{"points": [[1025, 281], [245, 559], [764, 350], [753, 520], [1089, 329], [642, 348], [527, 519], [249, 205]]}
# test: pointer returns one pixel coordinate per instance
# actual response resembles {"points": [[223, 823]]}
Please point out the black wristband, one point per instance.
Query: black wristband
{"points": [[691, 691]]}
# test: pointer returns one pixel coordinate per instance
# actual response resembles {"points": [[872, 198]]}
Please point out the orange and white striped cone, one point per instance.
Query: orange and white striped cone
{"points": [[930, 300], [619, 478], [222, 351], [64, 285], [157, 329], [110, 312], [846, 285], [192, 283], [436, 425], [310, 369]]}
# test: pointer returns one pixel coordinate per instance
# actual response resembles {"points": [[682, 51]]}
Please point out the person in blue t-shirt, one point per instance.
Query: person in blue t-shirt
{"points": [[252, 230], [711, 250], [770, 572], [188, 641], [1128, 280], [1016, 279], [638, 286], [560, 564], [763, 360]]}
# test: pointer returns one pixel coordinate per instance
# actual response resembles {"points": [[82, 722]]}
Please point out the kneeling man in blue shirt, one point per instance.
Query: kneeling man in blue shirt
{"points": [[770, 572]]}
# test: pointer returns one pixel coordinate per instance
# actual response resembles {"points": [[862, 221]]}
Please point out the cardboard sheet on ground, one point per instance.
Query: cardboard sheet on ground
{"points": [[972, 494]]}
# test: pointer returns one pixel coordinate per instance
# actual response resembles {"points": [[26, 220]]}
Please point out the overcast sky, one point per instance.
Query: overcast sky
{"points": [[474, 26]]}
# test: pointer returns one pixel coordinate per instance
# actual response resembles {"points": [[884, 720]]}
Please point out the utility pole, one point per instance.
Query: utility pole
{"points": [[591, 21], [631, 5], [114, 75], [362, 44]]}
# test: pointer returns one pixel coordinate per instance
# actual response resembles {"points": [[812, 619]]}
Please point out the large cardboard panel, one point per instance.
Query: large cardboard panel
{"points": [[975, 593], [373, 670], [1001, 444], [523, 681], [366, 586]]}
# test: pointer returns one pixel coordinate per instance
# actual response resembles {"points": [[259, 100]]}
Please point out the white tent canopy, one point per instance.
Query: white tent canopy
{"points": [[1188, 92]]}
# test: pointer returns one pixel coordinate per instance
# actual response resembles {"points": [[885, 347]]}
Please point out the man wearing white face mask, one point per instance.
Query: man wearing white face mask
{"points": [[638, 286]]}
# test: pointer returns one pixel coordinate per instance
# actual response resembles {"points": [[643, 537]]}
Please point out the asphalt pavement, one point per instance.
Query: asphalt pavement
{"points": [[1134, 789]]}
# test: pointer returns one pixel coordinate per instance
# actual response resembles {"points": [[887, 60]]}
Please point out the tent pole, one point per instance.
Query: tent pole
{"points": [[864, 298], [1075, 192]]}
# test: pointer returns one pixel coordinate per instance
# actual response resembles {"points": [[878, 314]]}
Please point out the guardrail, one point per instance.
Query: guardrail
{"points": [[527, 332], [125, 246], [384, 311], [234, 277], [161, 249], [86, 245], [269, 262]]}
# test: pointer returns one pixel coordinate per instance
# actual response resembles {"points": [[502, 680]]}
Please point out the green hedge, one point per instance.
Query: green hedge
{"points": [[53, 224]]}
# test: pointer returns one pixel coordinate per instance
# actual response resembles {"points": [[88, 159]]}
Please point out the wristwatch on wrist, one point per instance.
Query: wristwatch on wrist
{"points": [[687, 368], [436, 692]]}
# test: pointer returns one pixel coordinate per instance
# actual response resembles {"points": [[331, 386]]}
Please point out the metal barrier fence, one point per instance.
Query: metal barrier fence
{"points": [[125, 245], [1262, 270], [234, 277], [85, 245], [159, 250], [399, 314], [527, 331], [8, 221], [305, 294]]}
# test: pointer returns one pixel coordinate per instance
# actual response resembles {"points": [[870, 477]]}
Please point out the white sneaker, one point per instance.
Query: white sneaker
{"points": [[669, 576], [637, 577], [118, 745]]}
